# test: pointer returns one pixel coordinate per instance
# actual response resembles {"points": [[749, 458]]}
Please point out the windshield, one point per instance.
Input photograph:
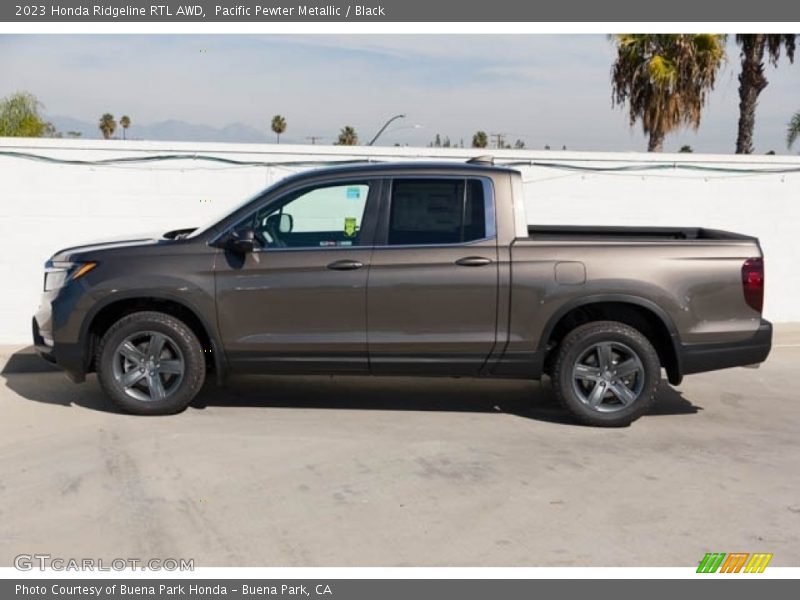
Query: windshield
{"points": [[218, 215]]}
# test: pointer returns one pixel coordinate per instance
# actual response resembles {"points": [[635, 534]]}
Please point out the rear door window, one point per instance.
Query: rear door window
{"points": [[437, 211]]}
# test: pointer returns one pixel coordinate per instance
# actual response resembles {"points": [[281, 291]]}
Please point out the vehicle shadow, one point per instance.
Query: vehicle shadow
{"points": [[31, 378], [528, 399], [27, 361]]}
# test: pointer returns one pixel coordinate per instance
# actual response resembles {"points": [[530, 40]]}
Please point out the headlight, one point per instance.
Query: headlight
{"points": [[56, 274]]}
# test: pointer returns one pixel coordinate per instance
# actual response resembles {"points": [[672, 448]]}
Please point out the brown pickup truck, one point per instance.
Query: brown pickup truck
{"points": [[405, 269]]}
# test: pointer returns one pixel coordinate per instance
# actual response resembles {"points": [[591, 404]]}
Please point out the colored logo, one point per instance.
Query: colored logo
{"points": [[736, 562]]}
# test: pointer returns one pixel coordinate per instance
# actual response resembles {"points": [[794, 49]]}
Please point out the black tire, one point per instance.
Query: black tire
{"points": [[594, 393], [181, 352]]}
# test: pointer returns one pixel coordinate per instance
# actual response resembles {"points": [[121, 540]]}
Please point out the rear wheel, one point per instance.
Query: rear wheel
{"points": [[150, 363], [606, 373]]}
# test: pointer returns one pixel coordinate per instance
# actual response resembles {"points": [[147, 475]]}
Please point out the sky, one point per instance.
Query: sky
{"points": [[544, 89]]}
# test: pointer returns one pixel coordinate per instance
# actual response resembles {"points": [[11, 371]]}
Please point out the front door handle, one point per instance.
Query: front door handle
{"points": [[345, 265], [473, 261]]}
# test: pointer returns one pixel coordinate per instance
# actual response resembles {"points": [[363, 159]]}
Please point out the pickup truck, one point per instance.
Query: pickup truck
{"points": [[421, 269]]}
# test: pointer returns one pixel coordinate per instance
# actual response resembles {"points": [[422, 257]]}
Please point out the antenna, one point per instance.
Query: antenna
{"points": [[486, 159]]}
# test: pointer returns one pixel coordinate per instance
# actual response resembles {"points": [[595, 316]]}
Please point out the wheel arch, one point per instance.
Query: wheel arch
{"points": [[641, 313], [105, 313]]}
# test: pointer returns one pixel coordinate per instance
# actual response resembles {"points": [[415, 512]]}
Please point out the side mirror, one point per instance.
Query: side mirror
{"points": [[286, 223], [241, 242], [280, 223]]}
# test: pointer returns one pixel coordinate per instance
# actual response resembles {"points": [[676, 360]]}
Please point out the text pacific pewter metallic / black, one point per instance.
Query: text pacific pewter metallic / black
{"points": [[300, 10]]}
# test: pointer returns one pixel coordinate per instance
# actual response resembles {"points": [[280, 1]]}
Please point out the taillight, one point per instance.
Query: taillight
{"points": [[753, 283]]}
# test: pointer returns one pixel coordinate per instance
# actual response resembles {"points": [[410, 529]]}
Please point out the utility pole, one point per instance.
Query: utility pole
{"points": [[499, 142], [382, 129], [313, 138]]}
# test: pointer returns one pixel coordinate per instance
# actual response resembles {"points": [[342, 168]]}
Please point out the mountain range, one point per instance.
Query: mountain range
{"points": [[170, 130]]}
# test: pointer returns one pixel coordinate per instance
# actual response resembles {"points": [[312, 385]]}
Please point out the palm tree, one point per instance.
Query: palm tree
{"points": [[125, 121], [480, 139], [347, 137], [278, 126], [665, 79], [793, 132], [107, 125], [752, 80]]}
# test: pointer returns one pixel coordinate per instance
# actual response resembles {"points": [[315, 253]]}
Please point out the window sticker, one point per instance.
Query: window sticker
{"points": [[353, 193], [349, 226]]}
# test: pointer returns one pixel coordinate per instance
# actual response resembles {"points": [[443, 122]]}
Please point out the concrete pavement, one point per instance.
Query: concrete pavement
{"points": [[347, 471]]}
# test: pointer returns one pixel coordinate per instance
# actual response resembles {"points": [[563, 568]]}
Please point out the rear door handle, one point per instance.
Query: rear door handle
{"points": [[473, 261], [345, 265]]}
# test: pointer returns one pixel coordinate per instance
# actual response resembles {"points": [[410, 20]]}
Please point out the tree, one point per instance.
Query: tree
{"points": [[50, 131], [278, 126], [125, 121], [752, 80], [20, 116], [480, 139], [686, 149], [665, 79], [107, 125], [347, 136], [793, 131], [441, 142], [519, 145]]}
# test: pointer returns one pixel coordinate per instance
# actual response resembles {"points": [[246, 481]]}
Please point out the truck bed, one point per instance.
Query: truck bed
{"points": [[594, 232]]}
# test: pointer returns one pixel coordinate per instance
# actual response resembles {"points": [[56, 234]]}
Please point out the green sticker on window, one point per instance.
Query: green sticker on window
{"points": [[349, 226]]}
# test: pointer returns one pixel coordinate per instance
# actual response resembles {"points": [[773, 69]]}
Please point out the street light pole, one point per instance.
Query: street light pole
{"points": [[385, 125]]}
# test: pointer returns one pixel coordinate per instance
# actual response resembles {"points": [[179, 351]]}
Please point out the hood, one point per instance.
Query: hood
{"points": [[128, 241]]}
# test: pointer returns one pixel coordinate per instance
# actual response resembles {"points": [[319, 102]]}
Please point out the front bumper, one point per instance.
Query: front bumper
{"points": [[66, 355], [44, 347], [698, 358]]}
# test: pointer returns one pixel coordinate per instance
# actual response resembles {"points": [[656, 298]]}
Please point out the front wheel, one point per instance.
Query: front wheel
{"points": [[606, 373], [150, 363]]}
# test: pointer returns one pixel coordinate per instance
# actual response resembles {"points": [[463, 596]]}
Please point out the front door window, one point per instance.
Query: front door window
{"points": [[330, 215]]}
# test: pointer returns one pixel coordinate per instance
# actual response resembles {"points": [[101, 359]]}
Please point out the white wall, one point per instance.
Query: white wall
{"points": [[46, 206]]}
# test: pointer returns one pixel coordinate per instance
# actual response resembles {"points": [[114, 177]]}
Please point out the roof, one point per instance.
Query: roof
{"points": [[393, 167]]}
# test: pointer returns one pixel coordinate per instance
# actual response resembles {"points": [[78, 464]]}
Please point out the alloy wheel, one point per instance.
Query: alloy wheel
{"points": [[608, 376], [148, 366]]}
